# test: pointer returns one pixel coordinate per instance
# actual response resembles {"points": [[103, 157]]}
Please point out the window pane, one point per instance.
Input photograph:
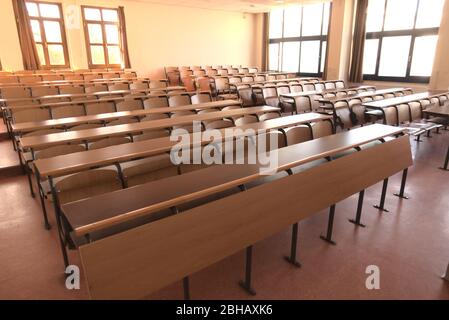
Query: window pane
{"points": [[274, 56], [326, 17], [292, 21], [36, 29], [40, 53], [370, 56], [112, 34], [95, 33], [114, 54], [311, 23], [394, 56], [323, 56], [97, 53], [310, 51], [49, 10], [429, 13], [290, 56], [400, 14], [423, 56], [375, 17], [110, 15], [52, 31], [276, 23], [92, 14], [32, 9], [56, 54]]}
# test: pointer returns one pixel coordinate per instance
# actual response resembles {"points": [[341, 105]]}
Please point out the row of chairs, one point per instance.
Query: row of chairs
{"points": [[34, 78]]}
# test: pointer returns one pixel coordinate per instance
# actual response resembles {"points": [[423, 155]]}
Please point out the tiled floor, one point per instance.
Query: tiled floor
{"points": [[410, 245]]}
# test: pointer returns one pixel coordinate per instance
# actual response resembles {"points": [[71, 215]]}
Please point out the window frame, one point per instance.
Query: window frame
{"points": [[43, 41], [322, 38], [414, 33], [103, 24]]}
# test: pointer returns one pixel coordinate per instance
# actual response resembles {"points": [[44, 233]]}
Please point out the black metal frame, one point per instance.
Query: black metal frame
{"points": [[322, 38], [414, 33]]}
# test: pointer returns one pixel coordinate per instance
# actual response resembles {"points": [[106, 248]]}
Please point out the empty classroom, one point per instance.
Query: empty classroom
{"points": [[224, 150]]}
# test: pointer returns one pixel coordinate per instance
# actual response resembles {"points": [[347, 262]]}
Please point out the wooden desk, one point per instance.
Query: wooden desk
{"points": [[63, 83], [441, 111], [76, 162], [90, 215], [29, 143], [48, 124], [326, 91]]}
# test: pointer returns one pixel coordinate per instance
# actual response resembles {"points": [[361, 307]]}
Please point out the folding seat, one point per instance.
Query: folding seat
{"points": [[201, 98], [245, 94], [179, 100], [245, 120], [118, 87], [299, 134], [129, 105], [155, 102], [322, 129]]}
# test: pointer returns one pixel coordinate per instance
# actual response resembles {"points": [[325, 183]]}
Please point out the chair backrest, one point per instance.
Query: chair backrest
{"points": [[283, 89], [30, 79], [322, 129], [158, 85], [15, 92], [273, 140], [72, 77], [308, 87], [148, 135], [403, 113], [415, 111], [259, 78], [222, 84], [118, 86], [71, 90], [31, 115], [340, 85], [269, 116], [138, 86], [86, 126], [246, 96], [247, 79], [75, 110], [179, 100], [269, 92], [390, 116], [295, 87], [234, 80], [219, 124], [201, 98], [100, 107], [157, 116], [245, 120], [114, 141], [44, 91], [58, 151], [96, 88], [156, 102], [330, 85], [204, 84], [298, 134], [319, 86], [52, 77], [129, 105], [211, 72], [122, 121]]}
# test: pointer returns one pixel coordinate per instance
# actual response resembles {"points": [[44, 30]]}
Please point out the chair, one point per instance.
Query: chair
{"points": [[31, 115], [330, 85], [118, 87], [44, 91], [390, 116], [138, 86], [155, 102], [322, 129], [30, 79], [160, 84], [319, 86], [71, 90], [87, 184], [245, 94], [344, 114], [259, 78], [222, 85], [100, 107], [129, 105], [201, 98], [149, 169], [76, 110], [108, 142], [298, 134], [52, 77], [295, 87], [179, 100], [93, 89], [340, 85], [247, 79], [15, 92], [308, 87], [218, 124], [204, 84], [245, 120], [270, 96]]}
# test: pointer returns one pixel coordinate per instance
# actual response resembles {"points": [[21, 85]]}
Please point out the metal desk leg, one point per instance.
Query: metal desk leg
{"points": [[446, 276], [403, 182], [382, 197], [330, 226], [246, 284], [358, 215], [446, 162]]}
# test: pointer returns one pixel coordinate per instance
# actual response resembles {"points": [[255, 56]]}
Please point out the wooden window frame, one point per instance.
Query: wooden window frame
{"points": [[322, 38], [43, 41], [104, 44], [414, 33]]}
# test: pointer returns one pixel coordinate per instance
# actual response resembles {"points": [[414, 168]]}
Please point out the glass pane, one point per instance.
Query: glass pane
{"points": [[276, 17], [97, 53], [274, 56], [290, 56], [36, 29], [56, 54], [423, 56], [92, 14], [311, 20], [429, 13], [52, 31], [292, 21], [326, 17], [370, 56], [32, 9], [110, 15], [394, 56], [114, 54], [400, 14], [375, 17], [323, 56], [40, 53], [49, 10], [310, 54], [95, 33], [112, 34]]}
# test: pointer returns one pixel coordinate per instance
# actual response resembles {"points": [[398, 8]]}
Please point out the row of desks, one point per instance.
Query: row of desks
{"points": [[30, 143]]}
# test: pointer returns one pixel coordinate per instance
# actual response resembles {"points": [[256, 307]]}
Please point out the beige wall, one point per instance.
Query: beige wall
{"points": [[158, 36], [440, 74]]}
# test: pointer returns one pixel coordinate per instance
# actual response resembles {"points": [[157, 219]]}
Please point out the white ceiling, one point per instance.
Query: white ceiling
{"points": [[251, 6]]}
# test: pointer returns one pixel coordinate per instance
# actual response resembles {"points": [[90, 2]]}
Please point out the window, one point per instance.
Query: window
{"points": [[298, 38], [47, 26], [103, 37], [401, 39]]}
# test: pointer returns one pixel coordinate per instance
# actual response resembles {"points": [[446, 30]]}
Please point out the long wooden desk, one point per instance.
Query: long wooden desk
{"points": [[66, 164], [137, 201], [29, 143], [33, 126], [140, 261], [63, 83]]}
